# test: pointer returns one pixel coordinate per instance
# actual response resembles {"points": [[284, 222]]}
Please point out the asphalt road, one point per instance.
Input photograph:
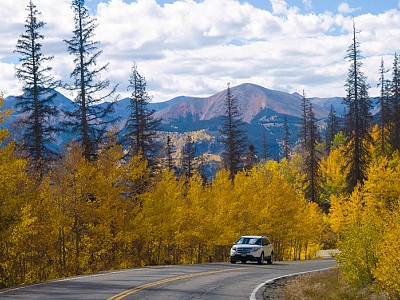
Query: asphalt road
{"points": [[203, 281]]}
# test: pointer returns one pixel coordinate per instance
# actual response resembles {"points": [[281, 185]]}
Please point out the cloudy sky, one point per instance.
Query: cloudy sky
{"points": [[194, 48]]}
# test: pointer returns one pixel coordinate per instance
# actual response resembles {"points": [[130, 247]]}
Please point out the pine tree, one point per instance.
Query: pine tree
{"points": [[395, 105], [358, 116], [312, 157], [265, 148], [188, 157], [251, 157], [141, 127], [169, 149], [90, 120], [286, 139], [384, 120], [232, 136], [305, 103], [36, 104], [201, 169], [332, 128]]}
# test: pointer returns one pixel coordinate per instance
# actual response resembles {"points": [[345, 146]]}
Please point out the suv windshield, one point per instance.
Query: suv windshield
{"points": [[249, 241]]}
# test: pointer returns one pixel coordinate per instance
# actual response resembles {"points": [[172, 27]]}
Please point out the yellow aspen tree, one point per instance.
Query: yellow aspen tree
{"points": [[382, 202], [108, 207], [193, 220], [158, 220], [293, 171], [135, 180], [376, 149], [74, 192], [333, 173], [276, 207], [14, 193], [366, 217], [224, 217], [34, 241], [387, 270]]}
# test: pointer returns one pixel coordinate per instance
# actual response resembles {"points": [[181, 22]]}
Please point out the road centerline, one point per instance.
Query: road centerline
{"points": [[128, 292]]}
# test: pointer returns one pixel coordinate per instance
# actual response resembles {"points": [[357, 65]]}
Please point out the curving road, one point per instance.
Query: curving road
{"points": [[203, 281]]}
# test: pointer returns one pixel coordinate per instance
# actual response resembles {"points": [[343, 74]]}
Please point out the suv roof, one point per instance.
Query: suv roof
{"points": [[254, 236]]}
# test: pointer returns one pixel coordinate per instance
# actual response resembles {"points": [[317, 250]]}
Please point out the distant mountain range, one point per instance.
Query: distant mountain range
{"points": [[263, 110], [252, 100]]}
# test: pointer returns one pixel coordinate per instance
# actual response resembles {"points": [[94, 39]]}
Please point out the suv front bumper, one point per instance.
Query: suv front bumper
{"points": [[247, 257]]}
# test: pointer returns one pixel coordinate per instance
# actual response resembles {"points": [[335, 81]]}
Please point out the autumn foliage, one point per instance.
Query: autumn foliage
{"points": [[367, 222], [89, 216], [113, 212]]}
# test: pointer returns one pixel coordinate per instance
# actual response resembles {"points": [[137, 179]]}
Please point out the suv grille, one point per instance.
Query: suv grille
{"points": [[243, 250]]}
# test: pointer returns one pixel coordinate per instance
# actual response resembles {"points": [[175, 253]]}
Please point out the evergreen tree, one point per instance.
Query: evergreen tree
{"points": [[141, 127], [188, 158], [384, 107], [395, 105], [305, 103], [169, 149], [286, 139], [201, 169], [332, 128], [251, 157], [265, 148], [312, 157], [358, 116], [90, 120], [232, 136], [36, 104]]}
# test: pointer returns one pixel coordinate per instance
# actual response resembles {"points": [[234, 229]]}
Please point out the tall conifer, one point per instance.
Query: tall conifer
{"points": [[90, 120], [358, 117], [332, 128], [312, 157], [305, 103], [141, 126], [395, 105], [233, 137], [169, 150], [384, 119], [188, 157], [36, 107], [265, 148], [286, 139]]}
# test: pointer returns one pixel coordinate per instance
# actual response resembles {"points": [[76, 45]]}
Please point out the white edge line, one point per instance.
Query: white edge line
{"points": [[67, 279], [253, 294]]}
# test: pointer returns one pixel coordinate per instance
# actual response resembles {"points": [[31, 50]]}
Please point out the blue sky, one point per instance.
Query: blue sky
{"points": [[194, 48], [317, 6]]}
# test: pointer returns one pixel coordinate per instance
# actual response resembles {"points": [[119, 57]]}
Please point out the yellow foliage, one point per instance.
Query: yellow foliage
{"points": [[367, 224], [14, 193], [387, 270], [334, 172], [87, 216]]}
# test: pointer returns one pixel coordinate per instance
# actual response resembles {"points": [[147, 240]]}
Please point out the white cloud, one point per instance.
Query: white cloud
{"points": [[8, 84], [195, 47], [279, 7], [344, 8]]}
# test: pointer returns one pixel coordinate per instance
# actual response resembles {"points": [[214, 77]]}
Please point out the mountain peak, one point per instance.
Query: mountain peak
{"points": [[297, 94], [251, 99]]}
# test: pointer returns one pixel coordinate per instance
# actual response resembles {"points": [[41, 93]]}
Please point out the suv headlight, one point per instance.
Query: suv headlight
{"points": [[234, 248], [256, 249]]}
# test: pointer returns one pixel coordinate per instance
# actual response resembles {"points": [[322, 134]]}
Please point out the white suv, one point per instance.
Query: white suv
{"points": [[252, 248]]}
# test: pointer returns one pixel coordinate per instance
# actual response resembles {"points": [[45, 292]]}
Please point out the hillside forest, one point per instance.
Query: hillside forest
{"points": [[115, 199]]}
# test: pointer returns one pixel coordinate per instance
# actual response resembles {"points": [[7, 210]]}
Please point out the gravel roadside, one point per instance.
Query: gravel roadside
{"points": [[274, 291]]}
